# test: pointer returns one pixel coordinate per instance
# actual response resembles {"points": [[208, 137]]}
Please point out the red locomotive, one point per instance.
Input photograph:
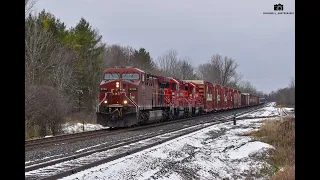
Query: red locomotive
{"points": [[130, 96]]}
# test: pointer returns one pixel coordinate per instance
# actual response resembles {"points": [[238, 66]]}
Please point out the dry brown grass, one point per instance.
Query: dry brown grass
{"points": [[287, 173], [281, 135]]}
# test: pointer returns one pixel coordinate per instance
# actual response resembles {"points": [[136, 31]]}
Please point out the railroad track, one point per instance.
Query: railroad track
{"points": [[288, 113], [65, 138], [284, 112], [69, 165], [56, 140]]}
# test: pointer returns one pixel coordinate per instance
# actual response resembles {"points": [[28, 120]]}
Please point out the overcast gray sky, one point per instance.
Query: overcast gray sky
{"points": [[262, 44]]}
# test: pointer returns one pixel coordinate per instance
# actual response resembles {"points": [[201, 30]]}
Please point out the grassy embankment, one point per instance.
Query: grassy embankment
{"points": [[281, 135]]}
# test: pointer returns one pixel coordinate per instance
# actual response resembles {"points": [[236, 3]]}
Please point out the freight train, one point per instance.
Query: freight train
{"points": [[130, 96]]}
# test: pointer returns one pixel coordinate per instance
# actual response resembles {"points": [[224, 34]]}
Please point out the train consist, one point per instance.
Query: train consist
{"points": [[130, 96]]}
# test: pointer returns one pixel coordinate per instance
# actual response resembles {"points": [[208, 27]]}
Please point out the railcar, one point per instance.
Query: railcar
{"points": [[237, 99], [191, 96], [253, 100], [245, 99], [206, 90]]}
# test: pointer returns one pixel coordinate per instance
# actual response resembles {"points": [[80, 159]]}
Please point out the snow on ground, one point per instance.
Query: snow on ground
{"points": [[270, 110], [217, 152], [78, 127], [289, 109]]}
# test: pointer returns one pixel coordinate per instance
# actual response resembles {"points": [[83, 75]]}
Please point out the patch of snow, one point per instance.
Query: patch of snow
{"points": [[148, 173], [281, 169], [289, 109], [215, 152], [270, 110], [247, 149], [91, 147], [171, 176], [78, 127]]}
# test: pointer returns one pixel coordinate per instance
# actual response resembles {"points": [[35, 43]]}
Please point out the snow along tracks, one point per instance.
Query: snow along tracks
{"points": [[69, 165]]}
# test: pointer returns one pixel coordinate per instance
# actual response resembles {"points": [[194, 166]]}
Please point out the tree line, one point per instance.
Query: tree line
{"points": [[63, 69], [284, 96]]}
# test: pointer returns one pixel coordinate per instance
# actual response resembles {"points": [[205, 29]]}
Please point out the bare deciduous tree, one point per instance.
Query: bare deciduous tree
{"points": [[228, 70], [205, 71], [247, 87], [292, 87], [260, 93], [49, 79], [116, 55], [28, 6], [284, 96], [38, 48], [62, 73], [235, 81], [292, 83], [186, 69], [47, 61], [45, 108], [168, 63], [220, 70]]}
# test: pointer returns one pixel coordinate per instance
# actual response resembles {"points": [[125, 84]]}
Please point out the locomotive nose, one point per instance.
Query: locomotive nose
{"points": [[114, 86]]}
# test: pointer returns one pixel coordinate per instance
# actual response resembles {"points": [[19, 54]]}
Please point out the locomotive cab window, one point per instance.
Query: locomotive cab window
{"points": [[173, 86], [111, 75], [164, 85], [130, 76], [191, 89]]}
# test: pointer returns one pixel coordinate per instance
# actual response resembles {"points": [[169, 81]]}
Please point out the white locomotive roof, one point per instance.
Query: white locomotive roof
{"points": [[196, 81], [193, 84], [139, 70], [174, 80]]}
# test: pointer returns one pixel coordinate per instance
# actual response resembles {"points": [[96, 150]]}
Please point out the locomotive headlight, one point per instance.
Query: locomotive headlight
{"points": [[125, 101], [105, 101], [117, 84]]}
